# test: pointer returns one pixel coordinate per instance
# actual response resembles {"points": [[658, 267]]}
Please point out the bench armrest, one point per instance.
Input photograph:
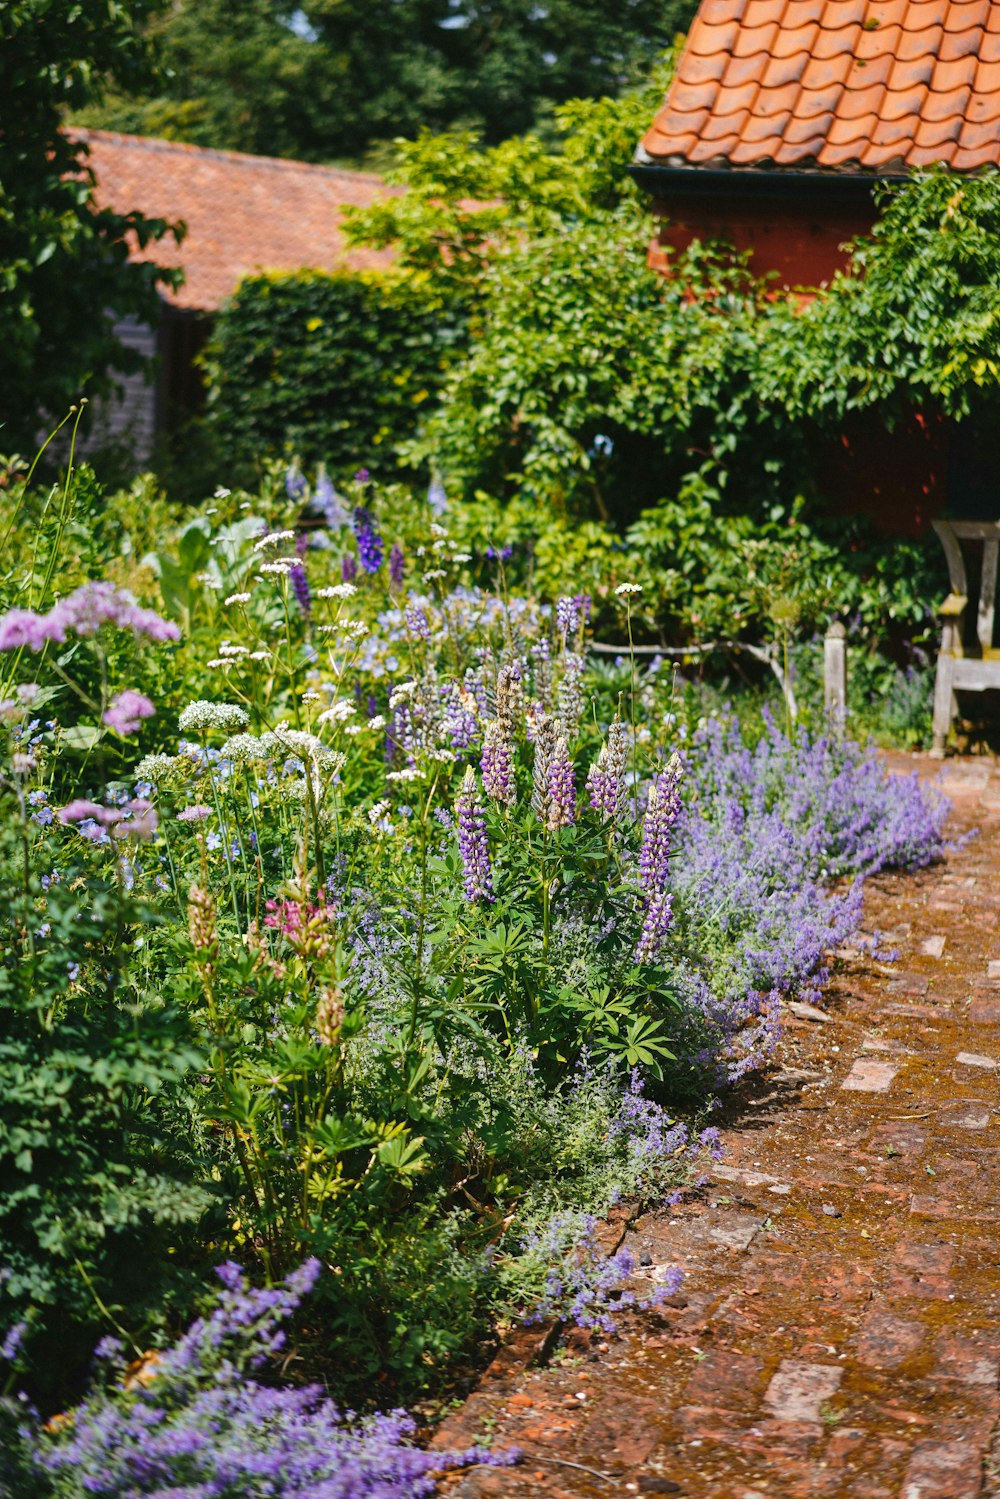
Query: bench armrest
{"points": [[953, 606]]}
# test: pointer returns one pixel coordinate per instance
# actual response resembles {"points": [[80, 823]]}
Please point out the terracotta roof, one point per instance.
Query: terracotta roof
{"points": [[243, 213], [835, 84]]}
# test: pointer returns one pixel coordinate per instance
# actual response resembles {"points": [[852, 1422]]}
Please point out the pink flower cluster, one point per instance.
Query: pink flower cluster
{"points": [[84, 612], [136, 819], [126, 712]]}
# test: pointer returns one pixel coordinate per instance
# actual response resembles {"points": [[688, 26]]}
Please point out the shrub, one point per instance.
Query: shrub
{"points": [[333, 366]]}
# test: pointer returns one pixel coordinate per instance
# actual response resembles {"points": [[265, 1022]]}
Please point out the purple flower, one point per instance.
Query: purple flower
{"points": [[127, 710], [497, 765], [472, 842], [295, 482], [197, 813], [562, 788], [361, 476], [436, 497], [370, 546], [300, 588], [348, 568], [606, 777], [329, 501], [662, 810], [84, 612], [397, 566]]}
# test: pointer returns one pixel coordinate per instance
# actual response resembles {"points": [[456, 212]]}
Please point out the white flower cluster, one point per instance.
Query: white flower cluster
{"points": [[624, 588], [338, 591], [242, 749], [338, 712], [281, 566], [238, 598], [155, 767], [401, 692], [204, 715], [272, 539]]}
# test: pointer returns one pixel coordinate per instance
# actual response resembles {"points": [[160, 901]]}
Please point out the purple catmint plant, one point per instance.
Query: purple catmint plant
{"points": [[497, 765], [126, 712], [472, 842], [199, 1423], [366, 534], [295, 482], [581, 1282]]}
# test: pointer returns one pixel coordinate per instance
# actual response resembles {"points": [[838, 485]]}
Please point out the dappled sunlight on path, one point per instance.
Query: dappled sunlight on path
{"points": [[838, 1330]]}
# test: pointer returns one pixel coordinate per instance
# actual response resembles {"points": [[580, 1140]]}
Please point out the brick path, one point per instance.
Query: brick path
{"points": [[838, 1330]]}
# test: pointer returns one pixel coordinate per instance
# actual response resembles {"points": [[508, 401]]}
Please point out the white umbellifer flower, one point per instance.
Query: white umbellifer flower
{"points": [[338, 712], [437, 530], [204, 715], [220, 661], [376, 813], [462, 557], [356, 628], [624, 588], [242, 749], [401, 693], [155, 767], [378, 722], [206, 578], [222, 493], [238, 598], [435, 572], [280, 567], [338, 591], [227, 648], [355, 728], [411, 773], [283, 741], [260, 655], [272, 539], [442, 756], [311, 697]]}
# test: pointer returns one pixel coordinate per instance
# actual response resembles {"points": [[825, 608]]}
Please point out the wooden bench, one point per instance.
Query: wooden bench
{"points": [[978, 670]]}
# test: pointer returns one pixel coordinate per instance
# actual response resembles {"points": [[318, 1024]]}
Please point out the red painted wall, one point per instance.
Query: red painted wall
{"points": [[898, 478]]}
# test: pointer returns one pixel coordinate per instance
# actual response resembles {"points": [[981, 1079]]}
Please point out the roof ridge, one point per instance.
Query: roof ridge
{"points": [[216, 153]]}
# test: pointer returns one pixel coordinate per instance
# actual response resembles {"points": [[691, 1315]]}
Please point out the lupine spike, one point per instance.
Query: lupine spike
{"points": [[472, 842]]}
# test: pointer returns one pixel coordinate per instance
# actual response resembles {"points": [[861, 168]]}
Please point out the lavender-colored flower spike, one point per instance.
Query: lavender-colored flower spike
{"points": [[545, 743], [561, 808], [606, 777], [370, 546], [497, 765], [654, 859], [348, 568], [397, 566], [300, 587], [436, 497], [295, 482], [472, 842], [328, 500]]}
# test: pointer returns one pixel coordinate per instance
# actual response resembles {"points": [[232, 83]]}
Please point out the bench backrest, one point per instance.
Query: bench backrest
{"points": [[987, 534]]}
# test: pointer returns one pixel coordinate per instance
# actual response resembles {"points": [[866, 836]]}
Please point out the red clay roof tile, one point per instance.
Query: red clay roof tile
{"points": [[243, 213], [839, 84]]}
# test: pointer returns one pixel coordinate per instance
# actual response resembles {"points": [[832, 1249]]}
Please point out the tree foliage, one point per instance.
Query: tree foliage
{"points": [[64, 269], [330, 78]]}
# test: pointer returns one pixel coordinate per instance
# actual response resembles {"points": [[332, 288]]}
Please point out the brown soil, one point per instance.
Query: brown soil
{"points": [[838, 1329]]}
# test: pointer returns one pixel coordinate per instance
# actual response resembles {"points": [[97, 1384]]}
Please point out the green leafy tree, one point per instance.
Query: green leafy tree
{"points": [[334, 78], [64, 269]]}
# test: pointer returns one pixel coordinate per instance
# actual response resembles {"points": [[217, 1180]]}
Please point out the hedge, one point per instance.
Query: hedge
{"points": [[335, 367]]}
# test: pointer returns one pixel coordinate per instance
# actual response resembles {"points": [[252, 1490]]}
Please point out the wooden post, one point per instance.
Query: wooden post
{"points": [[835, 674]]}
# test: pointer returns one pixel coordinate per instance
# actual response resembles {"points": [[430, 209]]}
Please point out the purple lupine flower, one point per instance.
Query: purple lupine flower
{"points": [[348, 568], [300, 588], [497, 765], [570, 613], [295, 482], [606, 777], [500, 554], [416, 623], [561, 809], [662, 810], [472, 842], [126, 712], [397, 566], [328, 500], [366, 534]]}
